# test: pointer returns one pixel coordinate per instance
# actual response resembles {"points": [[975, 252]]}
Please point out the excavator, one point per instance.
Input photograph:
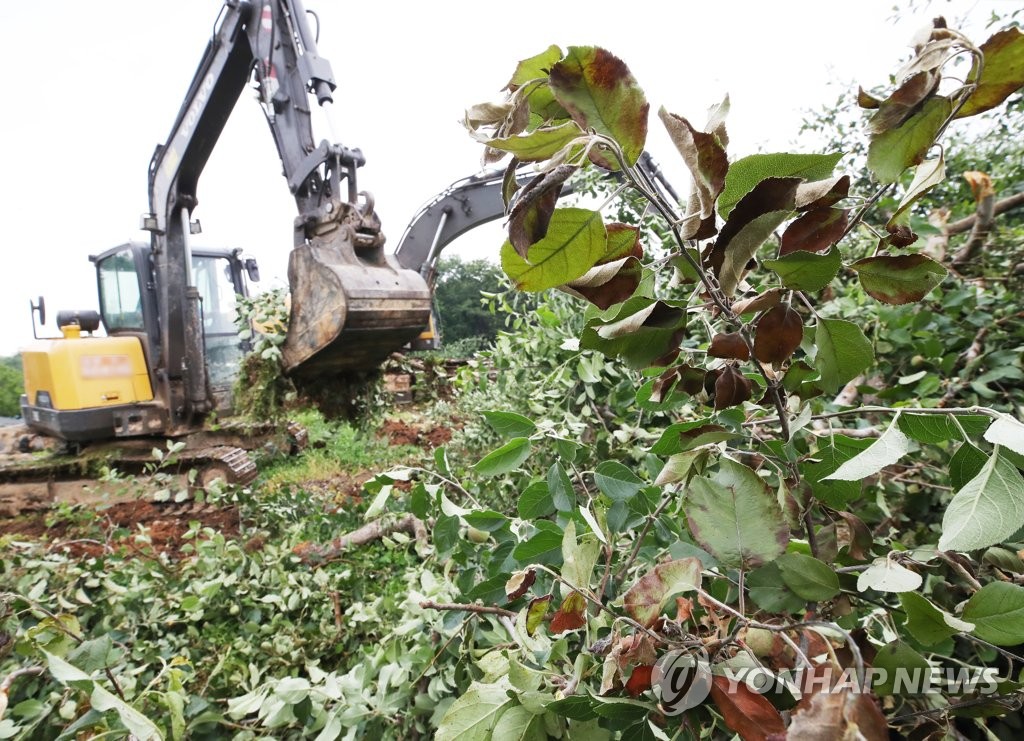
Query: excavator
{"points": [[170, 350]]}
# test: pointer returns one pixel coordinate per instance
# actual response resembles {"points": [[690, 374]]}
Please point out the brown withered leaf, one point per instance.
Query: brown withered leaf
{"points": [[778, 334], [616, 276], [822, 193], [570, 616], [815, 231], [704, 156], [637, 649], [644, 600], [730, 345], [519, 584], [761, 302], [839, 713], [746, 712], [900, 235], [905, 101], [750, 223], [858, 539], [639, 680], [1003, 73], [531, 214], [732, 388], [684, 609]]}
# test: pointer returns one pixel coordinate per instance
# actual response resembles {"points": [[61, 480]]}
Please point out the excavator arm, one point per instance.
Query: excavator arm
{"points": [[351, 304]]}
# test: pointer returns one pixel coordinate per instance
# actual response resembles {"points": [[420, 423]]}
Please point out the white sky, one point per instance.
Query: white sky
{"points": [[92, 87]]}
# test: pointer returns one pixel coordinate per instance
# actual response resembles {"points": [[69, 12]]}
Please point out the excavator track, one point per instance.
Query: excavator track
{"points": [[37, 480]]}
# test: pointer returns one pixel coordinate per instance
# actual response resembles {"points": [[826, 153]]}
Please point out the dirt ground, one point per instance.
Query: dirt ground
{"points": [[399, 432], [113, 528]]}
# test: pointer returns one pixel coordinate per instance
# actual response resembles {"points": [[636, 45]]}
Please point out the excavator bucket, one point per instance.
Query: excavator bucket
{"points": [[350, 307]]}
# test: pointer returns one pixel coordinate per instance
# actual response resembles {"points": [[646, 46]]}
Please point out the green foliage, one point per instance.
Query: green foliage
{"points": [[262, 391], [12, 386], [465, 317]]}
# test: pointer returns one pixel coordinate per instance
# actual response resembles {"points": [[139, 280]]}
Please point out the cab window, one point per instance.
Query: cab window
{"points": [[120, 297]]}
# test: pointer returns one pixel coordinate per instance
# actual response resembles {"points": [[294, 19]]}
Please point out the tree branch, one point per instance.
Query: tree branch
{"points": [[317, 553], [477, 609], [1000, 207]]}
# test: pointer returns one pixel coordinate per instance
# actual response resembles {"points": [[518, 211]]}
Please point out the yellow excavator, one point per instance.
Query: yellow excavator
{"points": [[170, 349]]}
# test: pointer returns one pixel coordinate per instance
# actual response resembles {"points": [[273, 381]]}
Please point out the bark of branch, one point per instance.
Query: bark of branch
{"points": [[984, 220], [317, 553], [477, 609], [5, 686], [999, 207]]}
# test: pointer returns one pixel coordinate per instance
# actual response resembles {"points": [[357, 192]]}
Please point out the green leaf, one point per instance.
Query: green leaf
{"points": [[997, 611], [808, 577], [899, 279], [510, 424], [931, 429], [843, 352], [807, 271], [540, 144], [542, 545], [894, 150], [597, 89], [744, 174], [535, 67], [1008, 432], [927, 623], [965, 464], [575, 707], [616, 481], [735, 517], [987, 510], [506, 458], [684, 436], [885, 575], [927, 175], [576, 239], [895, 659], [770, 592], [1002, 74], [884, 451], [137, 723], [579, 556], [535, 501], [519, 724], [645, 599], [473, 715], [563, 496]]}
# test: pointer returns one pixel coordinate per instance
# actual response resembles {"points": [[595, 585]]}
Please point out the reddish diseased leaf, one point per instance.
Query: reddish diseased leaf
{"points": [[705, 157], [778, 334], [684, 609], [761, 302], [570, 616], [893, 151], [750, 223], [637, 649], [644, 600], [732, 388], [640, 680], [899, 279], [900, 235], [838, 713], [1003, 72], [746, 712], [600, 93], [729, 345], [520, 584], [535, 613], [905, 101], [531, 215], [815, 231]]}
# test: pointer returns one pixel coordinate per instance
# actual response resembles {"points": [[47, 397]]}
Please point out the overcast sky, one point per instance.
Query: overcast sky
{"points": [[91, 88]]}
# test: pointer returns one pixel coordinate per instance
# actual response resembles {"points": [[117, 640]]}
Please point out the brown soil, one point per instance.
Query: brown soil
{"points": [[95, 532], [398, 432]]}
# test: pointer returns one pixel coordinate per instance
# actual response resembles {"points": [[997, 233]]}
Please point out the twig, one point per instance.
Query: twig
{"points": [[476, 609], [621, 573], [336, 602], [5, 686]]}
